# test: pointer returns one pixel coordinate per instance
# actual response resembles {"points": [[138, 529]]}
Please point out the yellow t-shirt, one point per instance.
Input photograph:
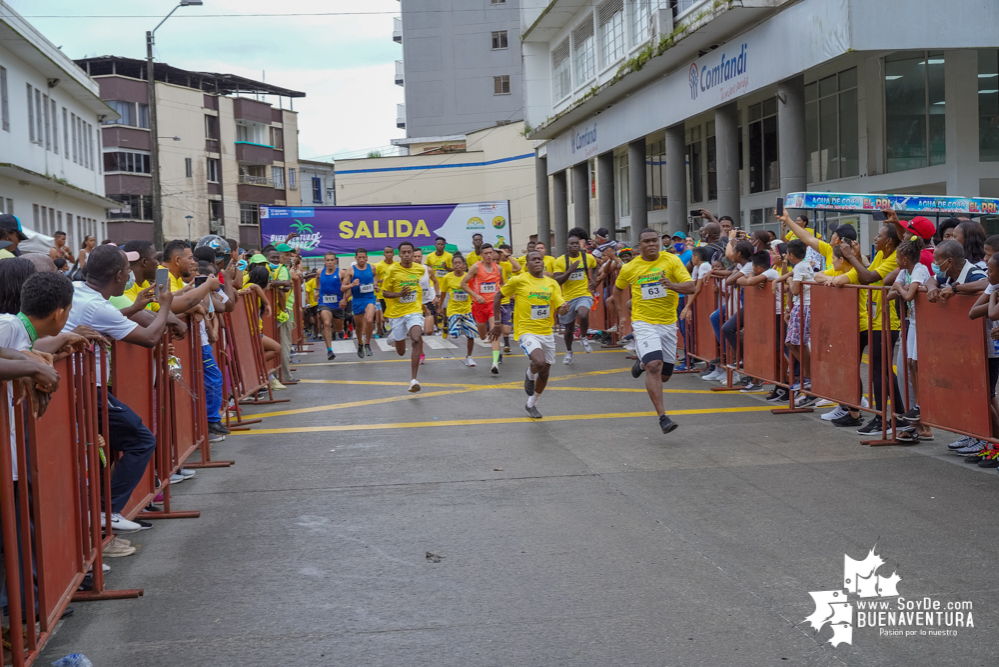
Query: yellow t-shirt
{"points": [[472, 258], [882, 266], [650, 302], [381, 268], [549, 264], [176, 283], [577, 285], [133, 293], [397, 277], [536, 300], [310, 293], [460, 302], [440, 264], [507, 269]]}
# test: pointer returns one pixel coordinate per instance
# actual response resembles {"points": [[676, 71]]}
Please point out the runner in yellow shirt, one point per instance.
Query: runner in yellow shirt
{"points": [[653, 281], [380, 269], [440, 260], [476, 254], [510, 267], [458, 313], [578, 283], [535, 296], [404, 306]]}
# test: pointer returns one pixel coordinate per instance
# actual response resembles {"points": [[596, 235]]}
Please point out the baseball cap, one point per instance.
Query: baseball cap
{"points": [[681, 235], [283, 247], [258, 259], [602, 232], [844, 231], [10, 221], [920, 226]]}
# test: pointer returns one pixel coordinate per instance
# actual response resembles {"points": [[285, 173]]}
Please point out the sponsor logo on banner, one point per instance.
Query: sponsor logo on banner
{"points": [[584, 140], [499, 222], [871, 600], [476, 223], [729, 73]]}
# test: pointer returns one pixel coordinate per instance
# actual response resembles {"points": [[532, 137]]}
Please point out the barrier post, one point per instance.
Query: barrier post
{"points": [[254, 364], [791, 409], [727, 352]]}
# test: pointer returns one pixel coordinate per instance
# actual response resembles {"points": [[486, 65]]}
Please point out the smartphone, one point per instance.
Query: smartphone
{"points": [[163, 278], [879, 216], [779, 208], [200, 280], [695, 213]]}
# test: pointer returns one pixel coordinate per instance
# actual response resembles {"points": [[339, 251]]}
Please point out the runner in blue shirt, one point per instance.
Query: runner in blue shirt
{"points": [[360, 278], [330, 298]]}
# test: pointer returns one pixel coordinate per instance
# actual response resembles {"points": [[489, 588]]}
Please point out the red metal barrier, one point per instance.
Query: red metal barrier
{"points": [[130, 379], [836, 343], [761, 348], [705, 345]]}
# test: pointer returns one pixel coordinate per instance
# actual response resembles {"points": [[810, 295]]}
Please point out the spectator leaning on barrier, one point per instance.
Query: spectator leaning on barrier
{"points": [[971, 236], [284, 312], [918, 226], [761, 275], [799, 320], [107, 275]]}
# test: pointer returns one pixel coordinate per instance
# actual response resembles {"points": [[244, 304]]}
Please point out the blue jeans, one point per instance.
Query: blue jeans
{"points": [[213, 383], [128, 435], [716, 323]]}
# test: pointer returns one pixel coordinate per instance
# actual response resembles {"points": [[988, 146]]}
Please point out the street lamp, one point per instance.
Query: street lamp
{"points": [[189, 218], [154, 149]]}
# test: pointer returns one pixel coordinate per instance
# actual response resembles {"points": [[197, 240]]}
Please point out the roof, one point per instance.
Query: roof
{"points": [[222, 84]]}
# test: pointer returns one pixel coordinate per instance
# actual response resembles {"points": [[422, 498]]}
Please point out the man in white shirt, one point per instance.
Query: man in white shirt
{"points": [[107, 276]]}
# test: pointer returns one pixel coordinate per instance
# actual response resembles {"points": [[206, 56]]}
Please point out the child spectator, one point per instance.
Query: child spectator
{"points": [[971, 236], [799, 318]]}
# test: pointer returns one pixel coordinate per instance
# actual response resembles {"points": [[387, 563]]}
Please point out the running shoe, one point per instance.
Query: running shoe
{"points": [[469, 362], [804, 401], [360, 351], [874, 427], [973, 447], [848, 421], [835, 413], [913, 414], [567, 359], [414, 386], [367, 350], [586, 345], [666, 424], [528, 386], [506, 349], [680, 368], [423, 359], [532, 412], [120, 524], [637, 369], [494, 370], [961, 443]]}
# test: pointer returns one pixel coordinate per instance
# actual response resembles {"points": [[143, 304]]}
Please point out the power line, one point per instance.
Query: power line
{"points": [[213, 16]]}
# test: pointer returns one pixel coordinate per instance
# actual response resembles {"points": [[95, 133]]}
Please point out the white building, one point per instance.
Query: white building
{"points": [[50, 142], [650, 108], [318, 183]]}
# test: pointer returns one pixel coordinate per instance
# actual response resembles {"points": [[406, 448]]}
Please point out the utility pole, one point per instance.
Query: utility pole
{"points": [[154, 147]]}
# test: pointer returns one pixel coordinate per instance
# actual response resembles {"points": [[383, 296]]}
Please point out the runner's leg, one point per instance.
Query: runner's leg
{"points": [[416, 336]]}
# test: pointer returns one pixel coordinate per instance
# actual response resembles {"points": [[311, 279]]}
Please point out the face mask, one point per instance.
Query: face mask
{"points": [[679, 246], [131, 281], [241, 265], [273, 266], [936, 269]]}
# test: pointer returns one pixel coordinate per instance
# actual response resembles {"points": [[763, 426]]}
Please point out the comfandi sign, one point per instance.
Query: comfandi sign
{"points": [[343, 229], [725, 75], [585, 141]]}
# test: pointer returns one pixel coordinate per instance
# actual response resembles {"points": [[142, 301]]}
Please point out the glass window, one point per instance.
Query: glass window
{"points": [[249, 214], [623, 190], [764, 168], [712, 154], [501, 85], [214, 170], [499, 39], [561, 76], [317, 190], [211, 127], [583, 56], [188, 167], [988, 105], [914, 111], [134, 207], [610, 16], [277, 173], [4, 107], [292, 179], [695, 165], [277, 138], [640, 13], [655, 161], [134, 163]]}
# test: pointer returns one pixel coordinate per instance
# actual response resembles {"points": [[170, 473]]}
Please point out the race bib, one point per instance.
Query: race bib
{"points": [[459, 296], [441, 273], [541, 312], [408, 298], [487, 288], [367, 289], [329, 299], [653, 291], [577, 275]]}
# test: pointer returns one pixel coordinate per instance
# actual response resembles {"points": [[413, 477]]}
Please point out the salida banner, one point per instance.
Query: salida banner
{"points": [[343, 229]]}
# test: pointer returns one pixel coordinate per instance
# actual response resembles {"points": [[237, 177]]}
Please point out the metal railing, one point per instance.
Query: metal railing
{"points": [[248, 179]]}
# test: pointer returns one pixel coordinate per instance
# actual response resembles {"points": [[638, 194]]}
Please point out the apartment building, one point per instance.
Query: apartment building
{"points": [[646, 109], [318, 183], [50, 155], [222, 151]]}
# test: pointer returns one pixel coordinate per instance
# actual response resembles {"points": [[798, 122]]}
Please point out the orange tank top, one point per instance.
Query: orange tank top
{"points": [[486, 284]]}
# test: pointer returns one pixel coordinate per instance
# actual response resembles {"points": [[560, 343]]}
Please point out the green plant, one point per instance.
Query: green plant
{"points": [[375, 154]]}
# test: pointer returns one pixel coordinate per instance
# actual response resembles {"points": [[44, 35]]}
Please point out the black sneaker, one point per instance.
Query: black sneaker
{"points": [[217, 428], [528, 386], [501, 358], [873, 426], [143, 525], [330, 355], [367, 350], [532, 412], [805, 401], [636, 369], [975, 458], [912, 415], [989, 462], [778, 395], [847, 420], [666, 424], [360, 351]]}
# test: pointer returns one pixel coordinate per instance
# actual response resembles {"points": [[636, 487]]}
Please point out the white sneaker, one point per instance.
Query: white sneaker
{"points": [[567, 359], [724, 380], [587, 346], [186, 473], [120, 524], [613, 329], [176, 479], [469, 362], [714, 376], [630, 346], [824, 403], [835, 414], [414, 386]]}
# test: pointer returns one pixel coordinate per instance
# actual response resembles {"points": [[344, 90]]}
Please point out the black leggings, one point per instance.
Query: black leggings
{"points": [[874, 355]]}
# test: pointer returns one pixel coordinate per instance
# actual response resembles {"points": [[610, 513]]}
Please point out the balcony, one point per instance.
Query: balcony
{"points": [[397, 30], [252, 110], [249, 153], [247, 179], [399, 78], [400, 116]]}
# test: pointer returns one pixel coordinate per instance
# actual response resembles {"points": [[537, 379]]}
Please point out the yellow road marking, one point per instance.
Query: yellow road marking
{"points": [[408, 358], [391, 384], [484, 422], [665, 391]]}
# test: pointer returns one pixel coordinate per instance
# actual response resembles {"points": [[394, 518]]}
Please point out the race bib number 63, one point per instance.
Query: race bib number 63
{"points": [[652, 291]]}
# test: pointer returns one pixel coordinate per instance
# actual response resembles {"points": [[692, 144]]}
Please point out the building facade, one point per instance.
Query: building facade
{"points": [[646, 110], [222, 153], [50, 150], [461, 66], [318, 183]]}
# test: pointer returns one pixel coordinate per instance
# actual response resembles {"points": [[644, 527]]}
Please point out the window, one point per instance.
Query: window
{"points": [[561, 76], [90, 146], [249, 214], [188, 167], [211, 127], [47, 122], [277, 138], [832, 127], [134, 207], [214, 170], [583, 57], [501, 85], [712, 154], [292, 179], [251, 133], [914, 111], [214, 211], [31, 116], [133, 114], [134, 163], [55, 126], [655, 175], [39, 117], [277, 173], [641, 14], [988, 105], [764, 170], [497, 2], [65, 132], [4, 108], [623, 190], [499, 39], [695, 165], [317, 190], [610, 16], [75, 157], [10, 207]]}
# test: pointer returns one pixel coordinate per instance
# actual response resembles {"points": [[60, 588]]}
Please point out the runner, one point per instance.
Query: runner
{"points": [[459, 307], [534, 296], [404, 306], [578, 285], [380, 269], [531, 246], [549, 260], [483, 282], [510, 267], [475, 256], [360, 277], [655, 280], [430, 286], [330, 297], [440, 262]]}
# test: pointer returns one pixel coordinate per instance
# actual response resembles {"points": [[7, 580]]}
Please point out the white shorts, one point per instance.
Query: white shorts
{"points": [[530, 342], [400, 326], [910, 341], [655, 342]]}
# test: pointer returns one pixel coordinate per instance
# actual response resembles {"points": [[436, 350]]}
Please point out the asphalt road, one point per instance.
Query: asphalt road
{"points": [[363, 525]]}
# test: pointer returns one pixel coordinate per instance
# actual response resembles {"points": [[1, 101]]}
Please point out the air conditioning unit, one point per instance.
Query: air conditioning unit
{"points": [[214, 226], [661, 22]]}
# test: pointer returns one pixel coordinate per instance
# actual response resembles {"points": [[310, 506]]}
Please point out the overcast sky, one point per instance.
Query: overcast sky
{"points": [[344, 64]]}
